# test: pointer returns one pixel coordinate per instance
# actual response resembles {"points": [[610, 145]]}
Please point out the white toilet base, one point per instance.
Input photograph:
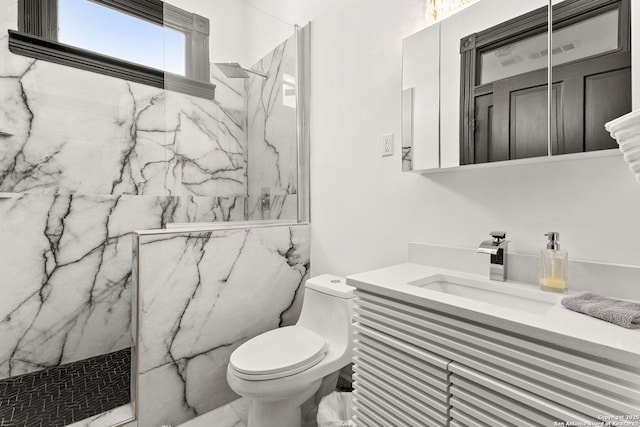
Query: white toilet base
{"points": [[271, 411]]}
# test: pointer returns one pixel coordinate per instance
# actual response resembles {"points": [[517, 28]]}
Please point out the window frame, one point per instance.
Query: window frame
{"points": [[37, 37]]}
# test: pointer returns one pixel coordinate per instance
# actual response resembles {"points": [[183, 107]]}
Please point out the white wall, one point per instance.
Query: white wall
{"points": [[264, 31], [365, 210], [240, 30], [226, 18]]}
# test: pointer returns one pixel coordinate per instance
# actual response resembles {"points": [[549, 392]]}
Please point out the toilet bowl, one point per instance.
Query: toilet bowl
{"points": [[280, 369]]}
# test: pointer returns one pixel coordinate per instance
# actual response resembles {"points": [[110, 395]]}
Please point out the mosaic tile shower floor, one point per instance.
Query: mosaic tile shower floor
{"points": [[59, 396]]}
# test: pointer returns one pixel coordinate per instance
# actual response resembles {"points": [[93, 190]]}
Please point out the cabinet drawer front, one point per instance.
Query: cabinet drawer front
{"points": [[530, 407], [368, 371], [488, 406], [390, 349], [460, 417], [397, 411], [586, 383], [411, 385], [366, 415], [488, 413], [395, 342], [434, 406], [472, 381], [369, 381]]}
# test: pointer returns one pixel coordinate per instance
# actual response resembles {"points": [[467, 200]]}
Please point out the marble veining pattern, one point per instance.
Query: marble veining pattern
{"points": [[66, 266], [77, 132], [91, 158], [407, 158], [135, 140], [234, 414], [202, 295], [106, 419]]}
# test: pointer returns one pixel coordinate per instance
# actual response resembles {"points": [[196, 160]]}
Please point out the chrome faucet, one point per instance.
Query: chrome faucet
{"points": [[497, 248]]}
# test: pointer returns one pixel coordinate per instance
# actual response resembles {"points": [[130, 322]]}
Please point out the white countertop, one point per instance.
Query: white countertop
{"points": [[558, 325]]}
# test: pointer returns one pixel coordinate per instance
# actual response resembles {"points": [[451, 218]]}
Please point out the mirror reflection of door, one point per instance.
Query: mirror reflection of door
{"points": [[504, 82]]}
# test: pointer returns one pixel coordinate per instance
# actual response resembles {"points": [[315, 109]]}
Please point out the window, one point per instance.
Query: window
{"points": [[146, 41], [136, 40]]}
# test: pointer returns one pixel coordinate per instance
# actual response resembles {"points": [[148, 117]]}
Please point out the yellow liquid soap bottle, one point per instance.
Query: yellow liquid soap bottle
{"points": [[553, 265]]}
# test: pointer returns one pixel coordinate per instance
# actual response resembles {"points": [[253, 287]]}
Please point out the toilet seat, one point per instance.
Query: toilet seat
{"points": [[278, 353]]}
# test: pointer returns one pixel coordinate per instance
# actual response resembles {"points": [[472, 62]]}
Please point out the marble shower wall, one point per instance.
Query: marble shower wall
{"points": [[76, 132], [202, 294], [66, 271], [89, 159], [272, 136]]}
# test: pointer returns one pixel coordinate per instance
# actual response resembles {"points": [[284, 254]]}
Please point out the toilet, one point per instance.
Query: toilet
{"points": [[280, 369]]}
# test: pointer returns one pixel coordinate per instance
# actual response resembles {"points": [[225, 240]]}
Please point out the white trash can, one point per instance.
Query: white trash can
{"points": [[335, 410]]}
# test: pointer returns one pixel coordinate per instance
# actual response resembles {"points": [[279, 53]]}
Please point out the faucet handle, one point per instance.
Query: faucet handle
{"points": [[498, 236]]}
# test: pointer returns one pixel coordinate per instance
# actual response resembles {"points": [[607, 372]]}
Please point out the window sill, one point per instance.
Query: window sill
{"points": [[40, 48]]}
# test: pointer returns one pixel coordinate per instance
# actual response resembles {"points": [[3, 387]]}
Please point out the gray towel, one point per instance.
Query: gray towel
{"points": [[623, 313]]}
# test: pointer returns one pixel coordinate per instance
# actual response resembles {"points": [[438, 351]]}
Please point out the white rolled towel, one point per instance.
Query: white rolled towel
{"points": [[626, 131]]}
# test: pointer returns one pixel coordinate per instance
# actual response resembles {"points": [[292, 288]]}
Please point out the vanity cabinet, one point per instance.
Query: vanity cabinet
{"points": [[398, 383], [421, 366]]}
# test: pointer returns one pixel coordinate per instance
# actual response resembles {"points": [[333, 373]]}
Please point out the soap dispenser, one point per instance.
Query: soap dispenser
{"points": [[553, 265]]}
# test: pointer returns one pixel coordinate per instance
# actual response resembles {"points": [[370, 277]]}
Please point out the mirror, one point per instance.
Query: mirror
{"points": [[488, 101], [591, 69], [420, 96]]}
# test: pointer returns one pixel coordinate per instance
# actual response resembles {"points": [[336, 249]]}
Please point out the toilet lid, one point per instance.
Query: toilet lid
{"points": [[279, 352]]}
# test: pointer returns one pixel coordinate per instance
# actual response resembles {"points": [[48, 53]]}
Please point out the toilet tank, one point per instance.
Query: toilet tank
{"points": [[331, 285], [328, 307]]}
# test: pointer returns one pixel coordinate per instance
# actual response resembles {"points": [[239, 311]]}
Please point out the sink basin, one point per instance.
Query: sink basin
{"points": [[518, 297]]}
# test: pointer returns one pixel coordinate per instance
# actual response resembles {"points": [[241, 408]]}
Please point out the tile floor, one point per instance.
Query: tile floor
{"points": [[65, 394], [235, 414], [106, 419]]}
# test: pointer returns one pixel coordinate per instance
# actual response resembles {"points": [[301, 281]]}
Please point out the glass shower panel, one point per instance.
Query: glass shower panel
{"points": [[232, 159], [205, 139], [235, 157], [272, 135]]}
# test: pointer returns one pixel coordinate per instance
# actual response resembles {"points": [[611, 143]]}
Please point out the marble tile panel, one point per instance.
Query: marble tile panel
{"points": [[234, 414], [80, 132], [66, 266], [205, 209], [206, 155], [202, 295], [282, 207], [106, 419], [8, 19], [56, 289], [66, 277]]}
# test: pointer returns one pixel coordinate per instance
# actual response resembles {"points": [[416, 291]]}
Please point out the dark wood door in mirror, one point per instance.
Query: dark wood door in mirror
{"points": [[504, 83]]}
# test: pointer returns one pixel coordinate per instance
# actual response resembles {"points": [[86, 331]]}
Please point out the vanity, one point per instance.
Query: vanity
{"points": [[440, 347]]}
